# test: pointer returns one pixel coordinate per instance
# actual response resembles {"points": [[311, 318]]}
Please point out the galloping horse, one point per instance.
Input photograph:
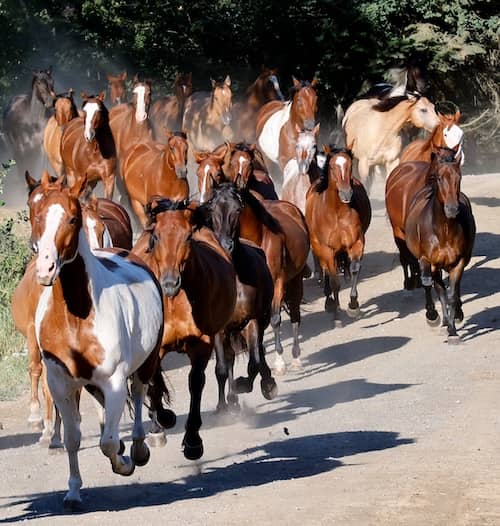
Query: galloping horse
{"points": [[279, 123], [167, 113], [87, 146], [24, 120], [252, 311], [153, 169], [440, 231], [117, 88], [372, 129], [199, 295], [264, 89], [98, 321], [64, 111], [207, 116], [338, 214], [445, 134]]}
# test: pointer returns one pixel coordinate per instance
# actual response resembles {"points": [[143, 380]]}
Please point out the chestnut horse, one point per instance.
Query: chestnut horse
{"points": [[154, 169], [252, 311], [64, 111], [24, 121], [264, 89], [440, 231], [98, 321], [167, 113], [88, 148], [372, 129], [446, 134], [199, 294], [338, 214], [207, 116], [279, 123], [117, 88]]}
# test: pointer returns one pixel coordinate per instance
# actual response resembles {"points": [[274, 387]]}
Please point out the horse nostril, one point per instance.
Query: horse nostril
{"points": [[51, 268]]}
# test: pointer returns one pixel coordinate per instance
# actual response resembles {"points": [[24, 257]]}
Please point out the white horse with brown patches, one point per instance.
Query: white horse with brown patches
{"points": [[99, 321]]}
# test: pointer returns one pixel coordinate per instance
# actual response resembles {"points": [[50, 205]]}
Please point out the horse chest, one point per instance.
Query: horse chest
{"points": [[179, 322]]}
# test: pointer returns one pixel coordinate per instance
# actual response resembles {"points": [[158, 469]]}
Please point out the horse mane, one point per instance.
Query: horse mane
{"points": [[260, 212], [446, 108], [157, 205], [391, 102], [302, 84], [180, 134]]}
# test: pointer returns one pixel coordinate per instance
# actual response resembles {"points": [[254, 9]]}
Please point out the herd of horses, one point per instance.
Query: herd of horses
{"points": [[106, 296]]}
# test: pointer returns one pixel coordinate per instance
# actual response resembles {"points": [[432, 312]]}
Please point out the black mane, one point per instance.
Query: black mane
{"points": [[391, 102]]}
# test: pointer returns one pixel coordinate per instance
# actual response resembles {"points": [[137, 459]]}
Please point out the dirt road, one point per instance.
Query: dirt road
{"points": [[386, 424]]}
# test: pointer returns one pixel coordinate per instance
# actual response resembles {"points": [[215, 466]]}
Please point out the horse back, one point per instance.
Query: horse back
{"points": [[117, 221]]}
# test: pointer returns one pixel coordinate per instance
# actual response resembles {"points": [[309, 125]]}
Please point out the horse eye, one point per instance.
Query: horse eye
{"points": [[152, 240], [423, 110], [73, 220], [34, 248]]}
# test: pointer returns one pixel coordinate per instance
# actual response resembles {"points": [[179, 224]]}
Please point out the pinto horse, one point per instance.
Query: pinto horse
{"points": [[264, 89], [199, 294], [88, 148], [440, 231], [167, 113], [252, 311], [207, 116], [64, 111], [98, 321], [117, 88], [154, 169], [372, 129], [25, 118], [338, 214], [279, 123]]}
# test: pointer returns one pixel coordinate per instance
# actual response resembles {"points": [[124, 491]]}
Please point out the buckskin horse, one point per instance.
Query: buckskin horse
{"points": [[338, 214], [98, 321], [440, 231], [117, 88], [199, 294], [372, 129], [88, 148], [24, 120]]}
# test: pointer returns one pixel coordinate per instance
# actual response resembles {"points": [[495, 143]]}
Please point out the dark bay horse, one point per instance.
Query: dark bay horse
{"points": [[440, 231], [199, 294], [117, 88], [207, 116], [338, 214], [279, 123], [24, 120], [88, 148], [167, 113], [372, 129], [156, 169], [64, 111], [264, 89], [252, 311], [98, 321]]}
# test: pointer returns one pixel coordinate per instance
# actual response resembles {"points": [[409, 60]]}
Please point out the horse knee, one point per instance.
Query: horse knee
{"points": [[109, 446]]}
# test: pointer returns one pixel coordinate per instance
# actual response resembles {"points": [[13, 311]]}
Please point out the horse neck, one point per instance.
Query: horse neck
{"points": [[250, 227], [105, 139], [396, 118], [37, 109]]}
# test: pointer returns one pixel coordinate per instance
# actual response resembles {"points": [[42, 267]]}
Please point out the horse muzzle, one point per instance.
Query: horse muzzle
{"points": [[309, 124], [181, 172], [47, 271], [89, 137], [345, 195], [227, 244], [451, 210], [226, 118], [171, 284]]}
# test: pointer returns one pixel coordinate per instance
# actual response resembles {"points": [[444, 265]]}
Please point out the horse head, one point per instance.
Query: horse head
{"points": [[94, 114], [117, 88], [183, 85], [265, 88], [42, 86], [448, 133], [97, 233], [142, 98], [209, 171], [64, 108], [222, 99], [304, 104], [340, 171], [445, 173], [176, 153], [422, 113], [305, 149], [241, 164], [170, 232]]}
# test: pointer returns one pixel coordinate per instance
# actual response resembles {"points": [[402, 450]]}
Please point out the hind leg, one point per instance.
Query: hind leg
{"points": [[279, 293], [35, 420], [221, 371], [453, 299], [293, 298], [139, 452]]}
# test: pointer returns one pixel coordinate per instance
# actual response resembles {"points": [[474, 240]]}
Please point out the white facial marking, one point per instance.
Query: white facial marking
{"points": [[241, 161], [340, 162], [453, 135], [90, 109], [203, 196], [140, 110], [306, 143], [47, 250], [37, 198], [321, 160]]}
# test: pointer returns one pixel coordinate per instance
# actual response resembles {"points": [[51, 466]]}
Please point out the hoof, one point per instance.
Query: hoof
{"points": [[193, 452], [459, 316], [45, 440], [222, 409], [72, 504], [279, 365], [55, 449], [329, 305], [269, 388], [242, 385], [296, 365], [166, 418], [156, 439], [433, 319], [306, 273], [143, 458], [353, 313], [443, 330], [453, 340], [35, 423], [338, 324], [126, 468]]}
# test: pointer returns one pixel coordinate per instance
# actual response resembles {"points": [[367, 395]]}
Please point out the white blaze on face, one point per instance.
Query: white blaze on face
{"points": [[140, 110], [453, 137], [306, 143], [47, 259], [37, 198], [90, 109], [340, 162], [204, 196], [241, 162]]}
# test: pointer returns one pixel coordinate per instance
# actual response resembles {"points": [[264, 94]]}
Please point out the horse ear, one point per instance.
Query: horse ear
{"points": [[227, 81], [457, 117], [32, 183], [295, 82], [327, 149], [101, 96], [316, 130], [136, 78], [123, 76], [199, 156], [46, 179], [167, 132], [77, 189], [314, 82], [213, 83]]}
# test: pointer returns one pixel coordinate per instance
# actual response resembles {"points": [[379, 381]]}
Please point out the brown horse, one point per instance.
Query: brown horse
{"points": [[79, 325], [279, 123], [167, 113], [264, 89], [446, 134], [117, 88], [199, 294], [252, 311], [88, 148], [154, 169], [64, 111], [24, 121], [440, 231], [372, 129], [207, 116], [338, 214]]}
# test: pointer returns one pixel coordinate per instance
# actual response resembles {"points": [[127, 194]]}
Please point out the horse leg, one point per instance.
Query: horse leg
{"points": [[232, 396], [293, 297], [279, 293], [453, 298], [52, 422], [221, 371], [364, 173], [199, 354], [431, 313], [353, 308], [161, 418], [35, 371], [139, 451], [440, 288], [108, 181], [318, 271], [408, 283], [140, 215]]}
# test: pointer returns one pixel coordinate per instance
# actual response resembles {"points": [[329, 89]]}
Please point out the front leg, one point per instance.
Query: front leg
{"points": [[453, 297], [431, 313]]}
